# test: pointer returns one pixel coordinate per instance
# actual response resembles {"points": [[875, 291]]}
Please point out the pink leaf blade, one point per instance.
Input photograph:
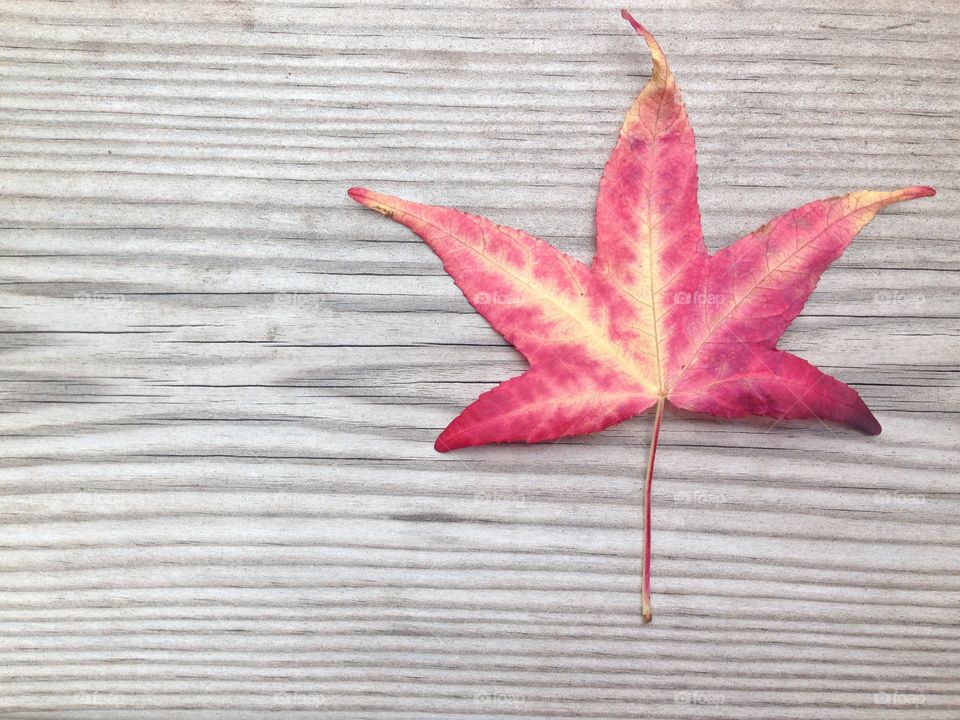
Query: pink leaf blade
{"points": [[751, 291], [647, 214], [754, 380], [542, 301], [571, 396], [529, 291]]}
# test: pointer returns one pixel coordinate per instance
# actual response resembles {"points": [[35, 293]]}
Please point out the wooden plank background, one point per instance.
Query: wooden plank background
{"points": [[221, 379]]}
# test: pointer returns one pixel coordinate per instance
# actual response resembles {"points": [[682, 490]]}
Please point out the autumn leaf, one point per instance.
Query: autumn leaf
{"points": [[655, 318]]}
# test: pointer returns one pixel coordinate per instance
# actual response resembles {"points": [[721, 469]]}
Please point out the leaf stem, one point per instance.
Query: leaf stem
{"points": [[647, 482]]}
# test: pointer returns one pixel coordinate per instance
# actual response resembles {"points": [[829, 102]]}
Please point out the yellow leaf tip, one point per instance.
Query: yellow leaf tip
{"points": [[882, 198], [372, 200], [659, 60], [912, 193]]}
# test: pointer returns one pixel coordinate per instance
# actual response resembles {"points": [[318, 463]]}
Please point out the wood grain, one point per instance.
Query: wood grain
{"points": [[221, 379]]}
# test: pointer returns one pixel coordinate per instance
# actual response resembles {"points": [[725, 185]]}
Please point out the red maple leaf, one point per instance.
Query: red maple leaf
{"points": [[655, 317]]}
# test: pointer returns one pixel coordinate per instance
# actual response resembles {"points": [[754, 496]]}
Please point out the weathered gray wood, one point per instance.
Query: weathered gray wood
{"points": [[221, 379]]}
